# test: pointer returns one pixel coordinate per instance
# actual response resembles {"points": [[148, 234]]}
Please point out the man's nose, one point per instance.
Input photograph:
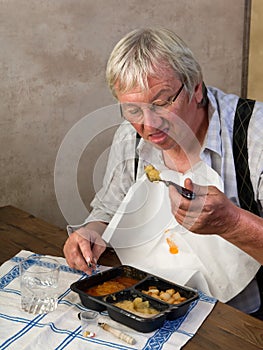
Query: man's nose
{"points": [[151, 119]]}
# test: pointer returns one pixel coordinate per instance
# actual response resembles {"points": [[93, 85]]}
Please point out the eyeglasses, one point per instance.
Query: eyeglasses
{"points": [[134, 113]]}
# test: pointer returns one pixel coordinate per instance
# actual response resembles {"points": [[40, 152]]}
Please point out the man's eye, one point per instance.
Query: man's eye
{"points": [[133, 111], [160, 103]]}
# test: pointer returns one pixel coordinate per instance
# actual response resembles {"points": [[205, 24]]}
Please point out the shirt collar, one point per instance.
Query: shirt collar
{"points": [[213, 139]]}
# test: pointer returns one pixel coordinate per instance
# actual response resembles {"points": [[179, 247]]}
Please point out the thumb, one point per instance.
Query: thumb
{"points": [[188, 183], [197, 189]]}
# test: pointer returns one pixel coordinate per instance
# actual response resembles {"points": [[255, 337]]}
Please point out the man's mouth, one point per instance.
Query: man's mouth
{"points": [[159, 136]]}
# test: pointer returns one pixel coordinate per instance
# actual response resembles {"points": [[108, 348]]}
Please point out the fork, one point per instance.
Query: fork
{"points": [[182, 190]]}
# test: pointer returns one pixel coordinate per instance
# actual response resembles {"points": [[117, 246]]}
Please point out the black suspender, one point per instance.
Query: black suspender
{"points": [[245, 190], [136, 158]]}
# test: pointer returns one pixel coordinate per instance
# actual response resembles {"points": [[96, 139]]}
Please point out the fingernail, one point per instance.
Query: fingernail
{"points": [[88, 261]]}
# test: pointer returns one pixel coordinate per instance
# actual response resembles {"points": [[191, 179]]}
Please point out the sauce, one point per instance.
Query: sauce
{"points": [[112, 286], [173, 249]]}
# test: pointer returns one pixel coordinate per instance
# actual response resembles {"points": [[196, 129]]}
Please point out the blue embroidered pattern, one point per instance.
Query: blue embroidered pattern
{"points": [[165, 332]]}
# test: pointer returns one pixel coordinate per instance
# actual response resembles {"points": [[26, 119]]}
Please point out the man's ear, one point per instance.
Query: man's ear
{"points": [[198, 94], [201, 90]]}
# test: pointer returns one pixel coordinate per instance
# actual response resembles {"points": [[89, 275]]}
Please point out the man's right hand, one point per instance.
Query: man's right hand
{"points": [[83, 248]]}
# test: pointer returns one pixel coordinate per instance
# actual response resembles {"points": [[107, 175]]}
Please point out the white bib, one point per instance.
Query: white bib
{"points": [[145, 234]]}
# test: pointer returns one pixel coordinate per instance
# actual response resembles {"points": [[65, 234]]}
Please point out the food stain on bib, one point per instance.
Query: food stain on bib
{"points": [[173, 248]]}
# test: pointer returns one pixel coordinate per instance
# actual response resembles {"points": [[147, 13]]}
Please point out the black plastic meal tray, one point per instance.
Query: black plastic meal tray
{"points": [[138, 322]]}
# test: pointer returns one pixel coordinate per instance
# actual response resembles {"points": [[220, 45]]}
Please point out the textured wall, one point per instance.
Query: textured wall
{"points": [[255, 71], [53, 54]]}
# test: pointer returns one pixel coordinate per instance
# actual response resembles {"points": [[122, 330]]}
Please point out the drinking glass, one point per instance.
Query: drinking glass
{"points": [[39, 284]]}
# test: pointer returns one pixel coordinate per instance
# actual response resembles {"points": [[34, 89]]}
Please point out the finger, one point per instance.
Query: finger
{"points": [[98, 248], [85, 241], [185, 212], [86, 252], [175, 199], [178, 201], [186, 219], [197, 189], [81, 264]]}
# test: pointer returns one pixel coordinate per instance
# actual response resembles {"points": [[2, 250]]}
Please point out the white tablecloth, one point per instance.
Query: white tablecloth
{"points": [[61, 329]]}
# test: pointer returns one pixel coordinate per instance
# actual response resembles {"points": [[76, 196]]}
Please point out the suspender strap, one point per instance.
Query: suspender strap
{"points": [[245, 190], [136, 158]]}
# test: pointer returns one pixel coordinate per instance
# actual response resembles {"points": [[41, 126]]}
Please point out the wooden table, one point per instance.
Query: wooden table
{"points": [[225, 328]]}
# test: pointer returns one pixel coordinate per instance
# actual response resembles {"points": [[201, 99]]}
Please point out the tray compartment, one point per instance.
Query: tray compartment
{"points": [[176, 310], [82, 286], [141, 323]]}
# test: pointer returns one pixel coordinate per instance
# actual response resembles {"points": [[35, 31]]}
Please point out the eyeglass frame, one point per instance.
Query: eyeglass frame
{"points": [[153, 105]]}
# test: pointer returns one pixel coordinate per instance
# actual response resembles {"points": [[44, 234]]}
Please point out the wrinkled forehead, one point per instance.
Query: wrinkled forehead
{"points": [[144, 81]]}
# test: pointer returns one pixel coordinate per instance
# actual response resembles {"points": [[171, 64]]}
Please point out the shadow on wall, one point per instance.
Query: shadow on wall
{"points": [[92, 166], [81, 162]]}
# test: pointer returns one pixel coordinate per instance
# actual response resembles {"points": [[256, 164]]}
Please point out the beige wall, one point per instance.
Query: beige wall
{"points": [[53, 54], [255, 70]]}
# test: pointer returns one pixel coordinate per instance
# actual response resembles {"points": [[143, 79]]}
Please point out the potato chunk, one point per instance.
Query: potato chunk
{"points": [[152, 173]]}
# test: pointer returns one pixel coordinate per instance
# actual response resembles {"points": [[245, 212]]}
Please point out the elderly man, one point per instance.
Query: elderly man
{"points": [[159, 86]]}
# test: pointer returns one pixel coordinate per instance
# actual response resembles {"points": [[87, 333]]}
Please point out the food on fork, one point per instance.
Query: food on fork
{"points": [[152, 173]]}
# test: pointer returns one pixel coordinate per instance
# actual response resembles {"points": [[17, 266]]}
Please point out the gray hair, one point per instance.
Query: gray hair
{"points": [[148, 52]]}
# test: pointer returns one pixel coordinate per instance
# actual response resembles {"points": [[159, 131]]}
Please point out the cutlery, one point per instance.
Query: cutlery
{"points": [[182, 190]]}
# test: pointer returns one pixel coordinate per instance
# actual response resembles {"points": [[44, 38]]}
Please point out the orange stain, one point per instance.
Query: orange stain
{"points": [[172, 246]]}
